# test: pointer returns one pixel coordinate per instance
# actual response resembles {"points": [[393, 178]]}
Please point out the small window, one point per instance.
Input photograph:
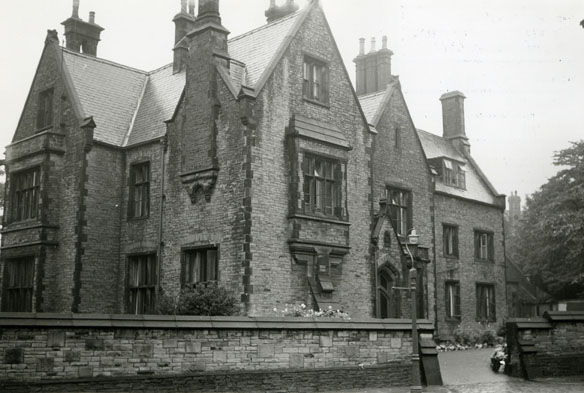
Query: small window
{"points": [[484, 245], [400, 213], [452, 299], [200, 266], [142, 278], [18, 285], [486, 306], [45, 109], [26, 187], [450, 233], [322, 186], [139, 204], [315, 87], [453, 174], [397, 141]]}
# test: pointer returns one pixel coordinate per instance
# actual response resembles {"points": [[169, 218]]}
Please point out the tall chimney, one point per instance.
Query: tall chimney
{"points": [[453, 119], [207, 51], [184, 22], [276, 12], [373, 68], [81, 35]]}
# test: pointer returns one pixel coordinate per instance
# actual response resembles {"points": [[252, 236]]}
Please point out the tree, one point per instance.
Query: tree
{"points": [[549, 244]]}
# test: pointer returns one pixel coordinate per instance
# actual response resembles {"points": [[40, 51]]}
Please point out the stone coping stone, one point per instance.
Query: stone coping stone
{"points": [[43, 320], [564, 316], [530, 323]]}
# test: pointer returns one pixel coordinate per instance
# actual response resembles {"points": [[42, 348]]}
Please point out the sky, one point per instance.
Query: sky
{"points": [[520, 63]]}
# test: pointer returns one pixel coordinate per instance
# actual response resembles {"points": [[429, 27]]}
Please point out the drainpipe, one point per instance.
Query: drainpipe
{"points": [[163, 150]]}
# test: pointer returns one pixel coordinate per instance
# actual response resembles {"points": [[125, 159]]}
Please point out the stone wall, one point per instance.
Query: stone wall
{"points": [[546, 347], [55, 352]]}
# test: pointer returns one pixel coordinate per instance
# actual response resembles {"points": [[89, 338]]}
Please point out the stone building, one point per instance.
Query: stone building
{"points": [[435, 186], [251, 161]]}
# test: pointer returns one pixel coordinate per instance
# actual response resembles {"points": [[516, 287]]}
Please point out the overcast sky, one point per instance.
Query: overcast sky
{"points": [[520, 63]]}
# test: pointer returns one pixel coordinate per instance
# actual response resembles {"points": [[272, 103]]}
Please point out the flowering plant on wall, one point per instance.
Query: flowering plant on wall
{"points": [[300, 310]]}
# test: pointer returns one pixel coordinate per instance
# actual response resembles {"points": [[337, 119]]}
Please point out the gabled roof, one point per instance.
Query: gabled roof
{"points": [[107, 91], [478, 187], [257, 48], [130, 106], [375, 103]]}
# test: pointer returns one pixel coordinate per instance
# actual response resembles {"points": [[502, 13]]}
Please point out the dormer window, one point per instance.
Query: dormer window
{"points": [[453, 174]]}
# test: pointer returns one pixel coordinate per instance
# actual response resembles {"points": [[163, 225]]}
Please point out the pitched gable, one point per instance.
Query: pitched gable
{"points": [[107, 91]]}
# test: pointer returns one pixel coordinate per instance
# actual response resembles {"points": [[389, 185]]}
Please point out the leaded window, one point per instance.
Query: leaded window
{"points": [[139, 205], [322, 186], [399, 202], [142, 279], [25, 194], [200, 265], [18, 285], [315, 86], [486, 306], [452, 299]]}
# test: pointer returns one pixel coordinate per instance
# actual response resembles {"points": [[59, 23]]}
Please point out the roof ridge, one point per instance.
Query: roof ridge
{"points": [[101, 60], [160, 68], [276, 22]]}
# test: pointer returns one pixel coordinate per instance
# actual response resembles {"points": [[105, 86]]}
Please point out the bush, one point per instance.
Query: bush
{"points": [[209, 301], [202, 300]]}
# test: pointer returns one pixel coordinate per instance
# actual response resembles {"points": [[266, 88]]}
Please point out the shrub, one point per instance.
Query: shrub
{"points": [[203, 300], [210, 301]]}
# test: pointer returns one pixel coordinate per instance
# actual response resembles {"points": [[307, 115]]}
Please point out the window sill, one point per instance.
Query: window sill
{"points": [[489, 261], [451, 257], [137, 219], [330, 220], [452, 319], [486, 320], [315, 102]]}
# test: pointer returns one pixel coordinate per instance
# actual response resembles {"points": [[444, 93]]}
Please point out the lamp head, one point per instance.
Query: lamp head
{"points": [[413, 237]]}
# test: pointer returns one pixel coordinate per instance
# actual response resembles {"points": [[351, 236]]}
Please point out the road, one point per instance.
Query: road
{"points": [[469, 372]]}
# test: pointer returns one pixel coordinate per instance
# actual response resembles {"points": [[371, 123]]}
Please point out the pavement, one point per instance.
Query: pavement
{"points": [[469, 372]]}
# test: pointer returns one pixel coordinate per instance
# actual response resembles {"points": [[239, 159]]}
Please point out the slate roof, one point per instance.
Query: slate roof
{"points": [[130, 106], [476, 184], [373, 104], [257, 47], [107, 91]]}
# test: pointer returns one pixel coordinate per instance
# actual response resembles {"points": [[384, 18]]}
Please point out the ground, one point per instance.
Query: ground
{"points": [[469, 372]]}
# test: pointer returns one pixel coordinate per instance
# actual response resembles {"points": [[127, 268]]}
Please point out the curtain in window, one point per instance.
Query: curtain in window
{"points": [[18, 285], [141, 284]]}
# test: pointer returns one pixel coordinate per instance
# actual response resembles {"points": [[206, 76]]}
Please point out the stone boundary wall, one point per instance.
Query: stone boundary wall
{"points": [[56, 352], [546, 347]]}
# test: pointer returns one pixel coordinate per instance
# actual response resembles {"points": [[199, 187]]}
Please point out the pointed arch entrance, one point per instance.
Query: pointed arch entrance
{"points": [[388, 299]]}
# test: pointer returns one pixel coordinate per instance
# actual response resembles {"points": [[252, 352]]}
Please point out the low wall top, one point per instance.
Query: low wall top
{"points": [[43, 320]]}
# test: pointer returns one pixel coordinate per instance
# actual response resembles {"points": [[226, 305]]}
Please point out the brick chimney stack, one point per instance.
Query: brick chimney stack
{"points": [[184, 22], [373, 68], [453, 120], [207, 51], [276, 12], [81, 35]]}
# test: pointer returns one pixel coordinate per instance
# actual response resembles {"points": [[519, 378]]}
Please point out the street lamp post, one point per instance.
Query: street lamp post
{"points": [[416, 386]]}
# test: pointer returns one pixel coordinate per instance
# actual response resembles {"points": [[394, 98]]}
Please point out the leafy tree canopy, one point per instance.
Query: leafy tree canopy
{"points": [[549, 243]]}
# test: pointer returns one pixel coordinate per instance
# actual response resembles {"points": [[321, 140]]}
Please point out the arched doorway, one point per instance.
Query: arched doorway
{"points": [[389, 299]]}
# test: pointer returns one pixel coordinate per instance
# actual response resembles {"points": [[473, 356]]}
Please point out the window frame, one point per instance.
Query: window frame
{"points": [[453, 174], [186, 269], [453, 242], [45, 116], [25, 199], [486, 302], [141, 288], [21, 293], [484, 245], [399, 222], [328, 201], [140, 189], [452, 300], [315, 80]]}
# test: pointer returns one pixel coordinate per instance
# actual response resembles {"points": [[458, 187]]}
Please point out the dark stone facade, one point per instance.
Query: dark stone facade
{"points": [[228, 173]]}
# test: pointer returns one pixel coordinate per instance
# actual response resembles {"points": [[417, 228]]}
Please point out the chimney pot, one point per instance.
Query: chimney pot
{"points": [[361, 46], [92, 17], [183, 5], [192, 7], [75, 9], [384, 42], [373, 49]]}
